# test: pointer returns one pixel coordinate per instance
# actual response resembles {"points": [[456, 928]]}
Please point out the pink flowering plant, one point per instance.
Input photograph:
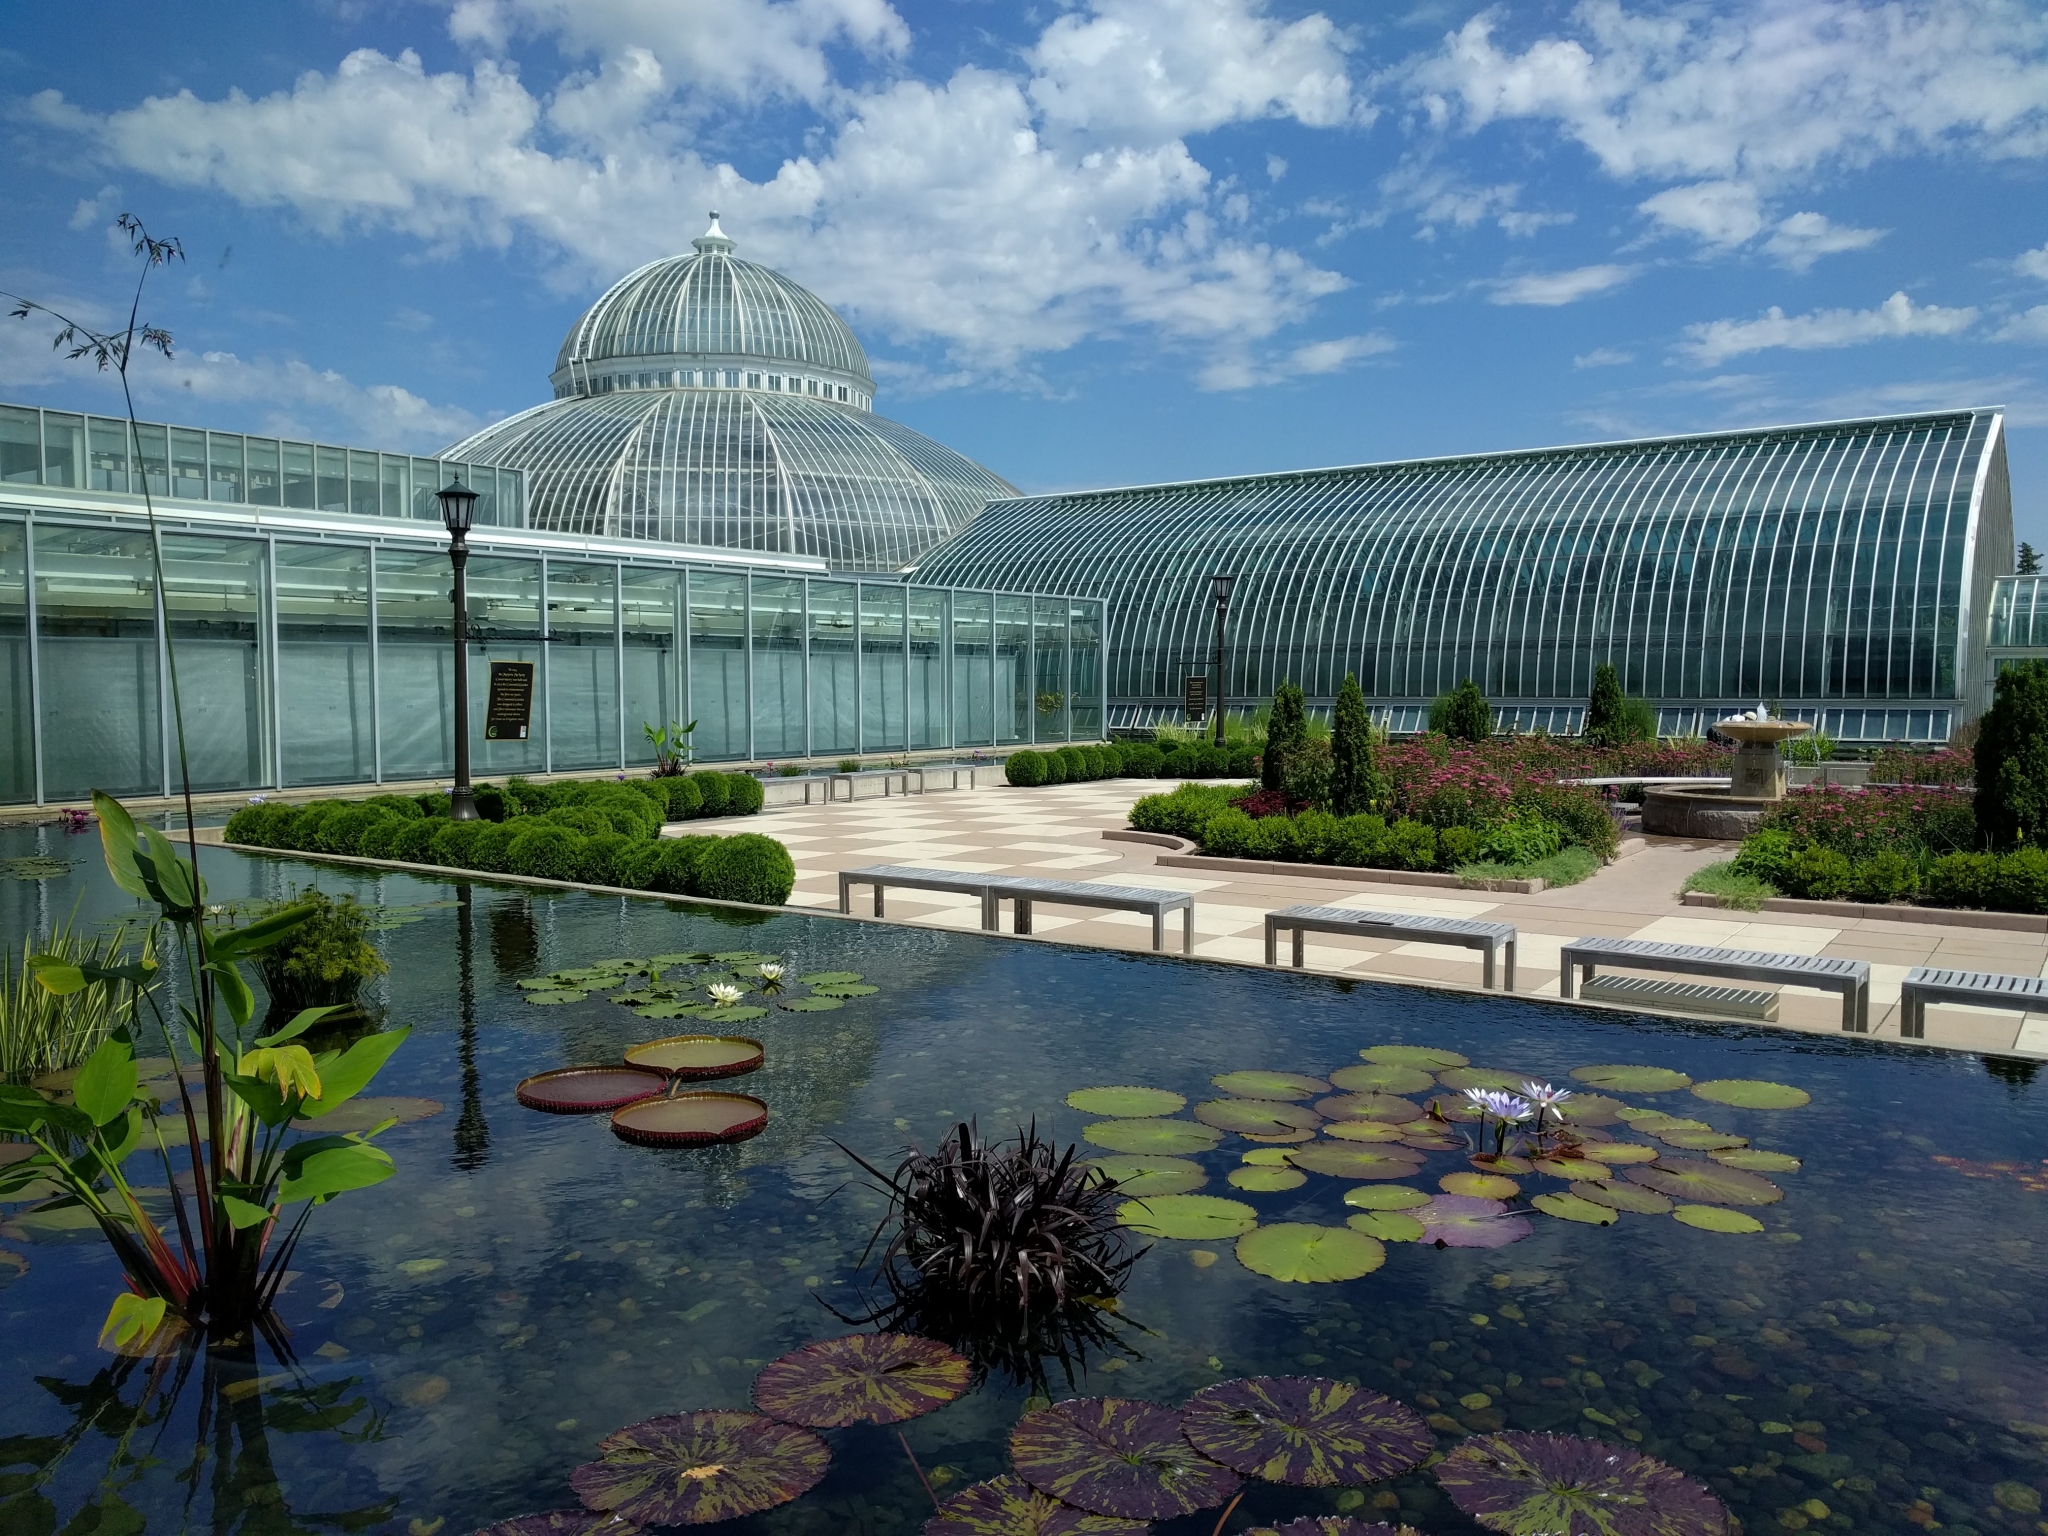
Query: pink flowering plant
{"points": [[1951, 765], [1904, 819]]}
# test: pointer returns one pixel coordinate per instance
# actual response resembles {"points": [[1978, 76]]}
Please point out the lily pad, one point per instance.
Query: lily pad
{"points": [[828, 978], [1461, 1078], [690, 1119], [1715, 1218], [1009, 1506], [1193, 1217], [1623, 1197], [1299, 1251], [1756, 1161], [1257, 1117], [1116, 1456], [1523, 1484], [1270, 1085], [1384, 1197], [562, 1522], [1623, 1078], [1266, 1181], [1487, 1186], [1350, 1160], [691, 957], [813, 1004], [863, 1378], [1365, 1130], [1135, 1175], [1428, 1057], [1465, 1221], [1332, 1525], [1126, 1103], [1618, 1152], [1423, 1140], [366, 1114], [745, 957], [1504, 1163], [1700, 1141], [1570, 1168], [539, 984], [1387, 1226], [697, 1468], [845, 989], [1166, 1138], [1752, 1093], [1305, 1430], [581, 1090], [555, 995], [1687, 1178], [1388, 1107], [1279, 1138], [734, 1013], [1574, 1208], [1591, 1109], [669, 1010], [696, 1057], [1268, 1157], [1382, 1077]]}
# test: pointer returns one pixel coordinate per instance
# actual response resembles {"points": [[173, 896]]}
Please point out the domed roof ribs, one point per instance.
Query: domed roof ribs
{"points": [[785, 492]]}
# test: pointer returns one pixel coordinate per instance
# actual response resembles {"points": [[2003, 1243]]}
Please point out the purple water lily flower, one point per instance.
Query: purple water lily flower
{"points": [[1546, 1099]]}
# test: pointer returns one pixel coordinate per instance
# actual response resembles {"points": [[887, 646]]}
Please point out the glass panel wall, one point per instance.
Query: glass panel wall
{"points": [[648, 602], [1051, 646], [778, 622], [17, 744], [224, 467], [1013, 670], [215, 591], [63, 449], [415, 664], [583, 663], [298, 475], [109, 454], [266, 475], [331, 479], [505, 625], [154, 457], [95, 592], [188, 464], [927, 667], [881, 668], [718, 663], [324, 698], [835, 683], [21, 445], [1084, 669], [973, 674]]}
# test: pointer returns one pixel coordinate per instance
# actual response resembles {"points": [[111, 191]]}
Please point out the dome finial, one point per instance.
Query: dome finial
{"points": [[714, 240]]}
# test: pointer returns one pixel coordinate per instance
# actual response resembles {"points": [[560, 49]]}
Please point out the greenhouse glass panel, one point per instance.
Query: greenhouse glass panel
{"points": [[835, 683], [95, 594], [927, 667], [153, 454], [109, 441], [21, 445], [505, 625], [1050, 650], [778, 677], [364, 497], [330, 479], [324, 698], [973, 670], [1084, 664], [394, 493], [214, 596], [718, 664], [881, 668], [63, 449], [415, 664], [583, 666], [17, 745], [224, 471], [1013, 691], [648, 606], [266, 474], [298, 475], [188, 464]]}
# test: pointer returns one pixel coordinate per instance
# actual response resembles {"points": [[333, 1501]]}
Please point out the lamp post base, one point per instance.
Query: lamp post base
{"points": [[461, 804]]}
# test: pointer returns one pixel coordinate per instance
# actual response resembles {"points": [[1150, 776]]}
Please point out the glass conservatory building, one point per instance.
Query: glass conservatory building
{"points": [[1841, 572], [305, 602]]}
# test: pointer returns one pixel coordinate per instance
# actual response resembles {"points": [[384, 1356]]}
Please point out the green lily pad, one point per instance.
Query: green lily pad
{"points": [[1384, 1197], [692, 957], [1569, 1168], [1714, 1218], [697, 1468], [1427, 1057], [1615, 1153], [1686, 1178], [845, 989], [1267, 1157], [1387, 1226], [1521, 1484], [1752, 1093], [1301, 1252], [1126, 1103], [812, 1004], [1009, 1506], [555, 995], [1137, 1175], [1257, 1117], [668, 1010], [1756, 1161], [743, 957], [1369, 1130], [1461, 1078], [1487, 1186], [1115, 1456], [539, 984], [1700, 1141], [733, 1013], [1370, 1106], [1270, 1085], [365, 1114], [1623, 1197], [1266, 1180], [1382, 1077], [1591, 1109], [1573, 1208], [1195, 1217], [1350, 1160], [827, 978], [1166, 1138], [1623, 1078]]}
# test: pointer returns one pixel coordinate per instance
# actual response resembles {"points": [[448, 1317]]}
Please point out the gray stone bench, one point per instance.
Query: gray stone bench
{"points": [[1851, 978], [1925, 984], [1490, 939], [1026, 890], [909, 877], [899, 777]]}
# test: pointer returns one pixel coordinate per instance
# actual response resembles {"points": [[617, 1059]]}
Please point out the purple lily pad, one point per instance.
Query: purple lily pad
{"points": [[864, 1378], [1305, 1430], [563, 1522], [1117, 1456], [1523, 1484], [1009, 1506], [1468, 1221], [1332, 1525], [697, 1468]]}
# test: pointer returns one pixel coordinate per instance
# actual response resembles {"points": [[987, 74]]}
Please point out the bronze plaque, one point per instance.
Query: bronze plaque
{"points": [[509, 714], [1195, 696]]}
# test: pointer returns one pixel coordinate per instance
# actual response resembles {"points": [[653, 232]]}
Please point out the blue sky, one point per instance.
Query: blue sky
{"points": [[1099, 243]]}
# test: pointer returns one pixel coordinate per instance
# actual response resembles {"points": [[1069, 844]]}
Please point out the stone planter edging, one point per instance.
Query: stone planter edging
{"points": [[1890, 912], [1349, 874]]}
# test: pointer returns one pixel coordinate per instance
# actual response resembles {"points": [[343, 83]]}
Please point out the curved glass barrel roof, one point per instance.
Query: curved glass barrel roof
{"points": [[1797, 566]]}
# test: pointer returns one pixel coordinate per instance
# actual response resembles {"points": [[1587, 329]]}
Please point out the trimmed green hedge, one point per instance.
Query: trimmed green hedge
{"points": [[1993, 882], [1032, 766]]}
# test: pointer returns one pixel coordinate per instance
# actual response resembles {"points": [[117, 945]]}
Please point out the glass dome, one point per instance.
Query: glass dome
{"points": [[710, 401]]}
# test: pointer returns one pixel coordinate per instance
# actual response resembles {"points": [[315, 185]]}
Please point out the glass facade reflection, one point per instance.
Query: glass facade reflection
{"points": [[1842, 572]]}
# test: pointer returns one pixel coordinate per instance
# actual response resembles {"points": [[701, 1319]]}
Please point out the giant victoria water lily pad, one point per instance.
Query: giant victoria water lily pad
{"points": [[1624, 1078], [1136, 1175], [1300, 1251], [1009, 1506], [581, 1090], [1194, 1217], [1125, 1103], [1369, 1106], [1270, 1085], [1465, 1221], [697, 1057], [1751, 1093], [1163, 1138], [1688, 1178], [1305, 1430], [690, 1119], [1257, 1117], [1117, 1456], [563, 1522], [864, 1378], [1351, 1160], [697, 1468], [1382, 1077], [1557, 1485]]}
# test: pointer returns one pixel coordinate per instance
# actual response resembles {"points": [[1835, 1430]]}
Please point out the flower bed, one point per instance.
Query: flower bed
{"points": [[598, 832], [1951, 765]]}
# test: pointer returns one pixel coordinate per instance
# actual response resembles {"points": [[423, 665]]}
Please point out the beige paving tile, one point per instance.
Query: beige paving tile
{"points": [[1400, 901]]}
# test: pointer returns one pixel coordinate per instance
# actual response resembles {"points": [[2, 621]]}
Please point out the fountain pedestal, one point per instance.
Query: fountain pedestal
{"points": [[1756, 783]]}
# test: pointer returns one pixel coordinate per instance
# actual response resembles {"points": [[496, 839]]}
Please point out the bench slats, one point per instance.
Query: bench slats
{"points": [[1024, 890], [1419, 927], [1926, 984], [1849, 977]]}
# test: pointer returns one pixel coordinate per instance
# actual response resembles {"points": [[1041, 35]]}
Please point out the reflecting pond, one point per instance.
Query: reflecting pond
{"points": [[1872, 1359]]}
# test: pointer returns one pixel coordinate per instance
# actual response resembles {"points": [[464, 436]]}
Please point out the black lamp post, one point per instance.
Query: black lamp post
{"points": [[458, 510], [1219, 590]]}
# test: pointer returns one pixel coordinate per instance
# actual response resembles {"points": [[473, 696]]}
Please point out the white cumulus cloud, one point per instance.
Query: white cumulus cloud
{"points": [[2029, 325], [1240, 371], [1804, 238], [1716, 341], [1724, 213], [1552, 288], [2032, 263], [1603, 357]]}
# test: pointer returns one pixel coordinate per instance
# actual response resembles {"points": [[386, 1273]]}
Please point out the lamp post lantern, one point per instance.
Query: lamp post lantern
{"points": [[458, 510], [1219, 591]]}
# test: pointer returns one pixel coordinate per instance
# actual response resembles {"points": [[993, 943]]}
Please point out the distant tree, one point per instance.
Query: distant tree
{"points": [[2012, 758], [2030, 560], [1286, 729], [1604, 710], [1462, 714], [1354, 780]]}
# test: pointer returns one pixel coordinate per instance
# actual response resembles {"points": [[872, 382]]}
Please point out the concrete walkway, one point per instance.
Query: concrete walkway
{"points": [[1058, 832]]}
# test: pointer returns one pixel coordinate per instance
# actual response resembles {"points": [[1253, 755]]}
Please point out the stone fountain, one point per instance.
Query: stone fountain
{"points": [[1757, 783]]}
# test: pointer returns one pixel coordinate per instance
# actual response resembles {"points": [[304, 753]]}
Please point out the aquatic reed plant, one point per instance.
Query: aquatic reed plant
{"points": [[41, 1032]]}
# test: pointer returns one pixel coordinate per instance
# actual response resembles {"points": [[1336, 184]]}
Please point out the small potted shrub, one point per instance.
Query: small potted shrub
{"points": [[326, 959]]}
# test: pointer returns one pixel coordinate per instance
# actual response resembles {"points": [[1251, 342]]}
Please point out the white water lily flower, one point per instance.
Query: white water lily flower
{"points": [[769, 971], [723, 993]]}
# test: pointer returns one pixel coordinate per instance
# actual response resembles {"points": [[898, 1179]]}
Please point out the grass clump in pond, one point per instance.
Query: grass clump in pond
{"points": [[44, 1031], [1736, 888], [1568, 866]]}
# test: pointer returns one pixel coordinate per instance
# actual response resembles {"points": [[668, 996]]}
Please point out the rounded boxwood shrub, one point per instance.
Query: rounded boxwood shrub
{"points": [[545, 850], [1077, 765], [1767, 856], [2021, 884], [341, 832], [398, 805], [746, 867], [261, 826], [608, 858], [1239, 762], [1227, 834], [432, 802], [743, 794], [1273, 837], [685, 798], [1055, 768], [1954, 879], [625, 812], [491, 802], [672, 866], [655, 790], [1886, 875], [452, 841], [414, 843], [1212, 762], [1464, 845], [1094, 762], [1142, 760], [712, 787], [1820, 874], [1361, 840], [1025, 769], [1410, 845], [381, 836], [491, 849], [586, 820]]}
